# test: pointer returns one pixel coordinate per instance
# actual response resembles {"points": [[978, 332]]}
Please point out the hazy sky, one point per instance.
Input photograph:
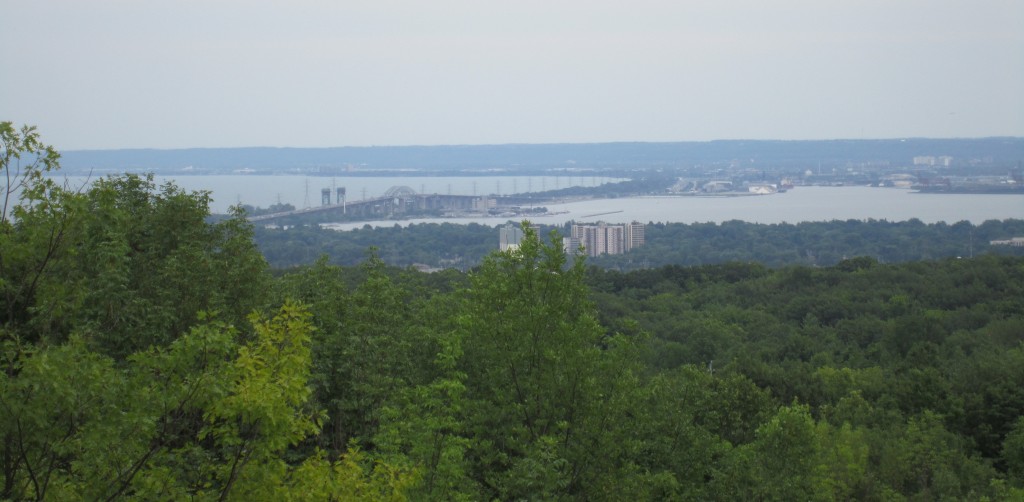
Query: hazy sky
{"points": [[183, 73]]}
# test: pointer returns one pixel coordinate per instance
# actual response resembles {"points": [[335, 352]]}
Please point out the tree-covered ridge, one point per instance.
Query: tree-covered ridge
{"points": [[444, 245], [822, 243], [623, 156], [149, 354], [943, 337], [449, 245]]}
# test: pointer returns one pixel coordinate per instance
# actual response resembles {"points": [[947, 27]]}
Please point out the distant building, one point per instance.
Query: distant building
{"points": [[931, 160], [717, 186], [484, 204], [1016, 242], [762, 189], [427, 269], [634, 235], [603, 238], [511, 236]]}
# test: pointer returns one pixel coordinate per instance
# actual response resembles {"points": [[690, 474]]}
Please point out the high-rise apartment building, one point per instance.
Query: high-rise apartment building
{"points": [[511, 236], [634, 235], [603, 238]]}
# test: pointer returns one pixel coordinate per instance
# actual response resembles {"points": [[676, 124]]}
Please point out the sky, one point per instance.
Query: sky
{"points": [[104, 74]]}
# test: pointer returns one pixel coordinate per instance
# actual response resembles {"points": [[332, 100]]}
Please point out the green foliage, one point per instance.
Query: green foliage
{"points": [[204, 418], [124, 265], [543, 383], [789, 453], [1013, 452], [529, 398], [146, 263], [133, 367], [424, 427], [438, 245], [922, 357], [858, 243], [24, 162], [34, 224], [855, 244], [261, 414], [50, 409]]}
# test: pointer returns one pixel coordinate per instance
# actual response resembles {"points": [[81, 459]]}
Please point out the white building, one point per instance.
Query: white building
{"points": [[603, 238], [509, 237], [634, 235]]}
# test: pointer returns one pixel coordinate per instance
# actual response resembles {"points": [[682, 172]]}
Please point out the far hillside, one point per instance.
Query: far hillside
{"points": [[462, 247], [762, 154]]}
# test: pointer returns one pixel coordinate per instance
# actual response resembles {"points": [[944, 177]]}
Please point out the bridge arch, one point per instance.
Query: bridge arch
{"points": [[399, 192]]}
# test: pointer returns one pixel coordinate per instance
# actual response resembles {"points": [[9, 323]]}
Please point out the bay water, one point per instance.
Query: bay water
{"points": [[803, 203]]}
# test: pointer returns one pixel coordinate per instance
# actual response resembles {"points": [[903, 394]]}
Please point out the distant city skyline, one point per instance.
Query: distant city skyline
{"points": [[315, 73]]}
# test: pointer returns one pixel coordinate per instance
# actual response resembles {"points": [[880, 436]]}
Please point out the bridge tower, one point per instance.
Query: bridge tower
{"points": [[325, 197], [341, 198]]}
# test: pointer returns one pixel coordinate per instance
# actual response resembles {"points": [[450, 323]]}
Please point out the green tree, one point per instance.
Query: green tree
{"points": [[35, 219], [122, 263], [204, 418], [539, 370], [147, 262], [115, 382], [786, 458], [1013, 452], [424, 426]]}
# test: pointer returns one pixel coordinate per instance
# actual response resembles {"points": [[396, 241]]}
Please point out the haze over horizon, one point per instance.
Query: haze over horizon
{"points": [[502, 145], [113, 74]]}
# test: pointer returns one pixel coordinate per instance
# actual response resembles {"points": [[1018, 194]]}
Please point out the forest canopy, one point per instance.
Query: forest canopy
{"points": [[150, 353], [451, 245]]}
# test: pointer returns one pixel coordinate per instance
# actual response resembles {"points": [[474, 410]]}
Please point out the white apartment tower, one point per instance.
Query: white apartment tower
{"points": [[634, 235], [603, 238], [509, 237]]}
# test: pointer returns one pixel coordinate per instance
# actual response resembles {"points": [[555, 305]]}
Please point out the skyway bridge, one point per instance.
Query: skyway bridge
{"points": [[396, 200]]}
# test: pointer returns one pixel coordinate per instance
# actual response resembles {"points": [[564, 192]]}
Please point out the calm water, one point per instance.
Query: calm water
{"points": [[797, 205]]}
